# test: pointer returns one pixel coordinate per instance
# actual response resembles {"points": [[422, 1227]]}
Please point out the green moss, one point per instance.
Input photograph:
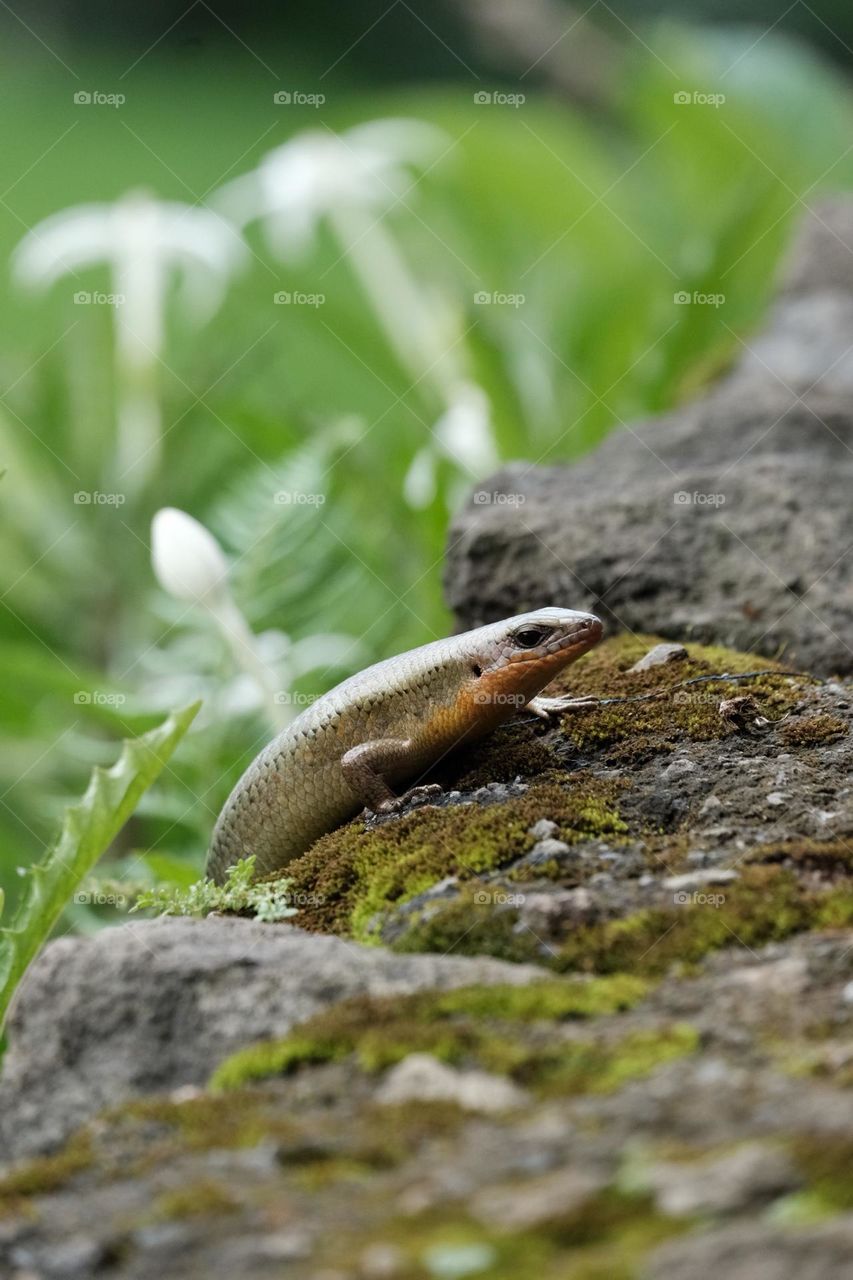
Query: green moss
{"points": [[812, 731], [47, 1173], [600, 1067], [273, 1058], [632, 731], [352, 875], [476, 1027], [835, 857], [765, 905], [198, 1200], [826, 1160], [200, 1123], [549, 1000], [466, 926]]}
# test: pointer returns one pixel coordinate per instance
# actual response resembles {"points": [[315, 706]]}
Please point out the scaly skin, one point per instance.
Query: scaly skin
{"points": [[387, 725]]}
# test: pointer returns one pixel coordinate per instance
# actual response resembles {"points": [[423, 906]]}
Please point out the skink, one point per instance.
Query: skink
{"points": [[388, 724]]}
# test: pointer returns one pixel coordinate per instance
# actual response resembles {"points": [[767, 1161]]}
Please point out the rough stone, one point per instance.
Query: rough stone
{"points": [[156, 1005], [758, 1251], [751, 1175]]}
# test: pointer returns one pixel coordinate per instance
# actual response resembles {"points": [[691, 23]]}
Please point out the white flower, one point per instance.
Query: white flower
{"points": [[187, 560], [320, 173], [144, 241]]}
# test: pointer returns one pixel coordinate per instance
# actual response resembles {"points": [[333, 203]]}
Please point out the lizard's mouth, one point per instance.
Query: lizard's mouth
{"points": [[589, 630]]}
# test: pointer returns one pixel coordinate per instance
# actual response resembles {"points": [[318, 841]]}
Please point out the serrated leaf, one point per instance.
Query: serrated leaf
{"points": [[87, 831]]}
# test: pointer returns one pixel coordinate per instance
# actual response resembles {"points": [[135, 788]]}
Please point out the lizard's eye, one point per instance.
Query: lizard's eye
{"points": [[530, 637]]}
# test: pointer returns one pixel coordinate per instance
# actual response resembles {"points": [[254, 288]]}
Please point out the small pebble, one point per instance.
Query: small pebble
{"points": [[659, 656], [544, 849], [697, 879], [542, 829]]}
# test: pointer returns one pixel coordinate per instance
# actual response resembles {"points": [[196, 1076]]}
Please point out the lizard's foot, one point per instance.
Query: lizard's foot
{"points": [[544, 708], [414, 796]]}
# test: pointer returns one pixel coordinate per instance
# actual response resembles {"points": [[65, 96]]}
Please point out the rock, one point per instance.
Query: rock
{"points": [[757, 1251], [421, 1077], [722, 521], [847, 993], [544, 850], [660, 655], [524, 1206], [543, 829], [156, 1005], [74, 1259], [544, 912], [741, 1179], [698, 879]]}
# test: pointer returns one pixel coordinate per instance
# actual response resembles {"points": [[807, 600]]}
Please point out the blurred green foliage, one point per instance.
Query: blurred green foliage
{"points": [[597, 222]]}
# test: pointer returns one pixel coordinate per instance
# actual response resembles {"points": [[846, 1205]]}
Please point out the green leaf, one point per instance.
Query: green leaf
{"points": [[87, 831]]}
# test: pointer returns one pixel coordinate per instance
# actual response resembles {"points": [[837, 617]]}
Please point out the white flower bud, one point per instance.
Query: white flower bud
{"points": [[187, 560]]}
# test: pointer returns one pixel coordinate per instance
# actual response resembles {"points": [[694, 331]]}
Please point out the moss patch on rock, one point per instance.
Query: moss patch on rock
{"points": [[765, 905], [603, 1237], [349, 877], [487, 1028], [833, 858], [45, 1173], [812, 731], [640, 728]]}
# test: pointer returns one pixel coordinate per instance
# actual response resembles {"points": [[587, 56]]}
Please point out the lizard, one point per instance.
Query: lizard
{"points": [[387, 725]]}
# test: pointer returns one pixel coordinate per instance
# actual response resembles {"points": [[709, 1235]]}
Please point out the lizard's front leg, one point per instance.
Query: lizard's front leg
{"points": [[364, 768]]}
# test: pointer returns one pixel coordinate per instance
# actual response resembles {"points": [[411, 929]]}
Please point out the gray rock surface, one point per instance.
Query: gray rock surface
{"points": [[729, 520], [758, 1251], [158, 1004]]}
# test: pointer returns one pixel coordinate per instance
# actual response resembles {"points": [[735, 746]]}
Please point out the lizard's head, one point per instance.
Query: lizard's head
{"points": [[515, 659]]}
